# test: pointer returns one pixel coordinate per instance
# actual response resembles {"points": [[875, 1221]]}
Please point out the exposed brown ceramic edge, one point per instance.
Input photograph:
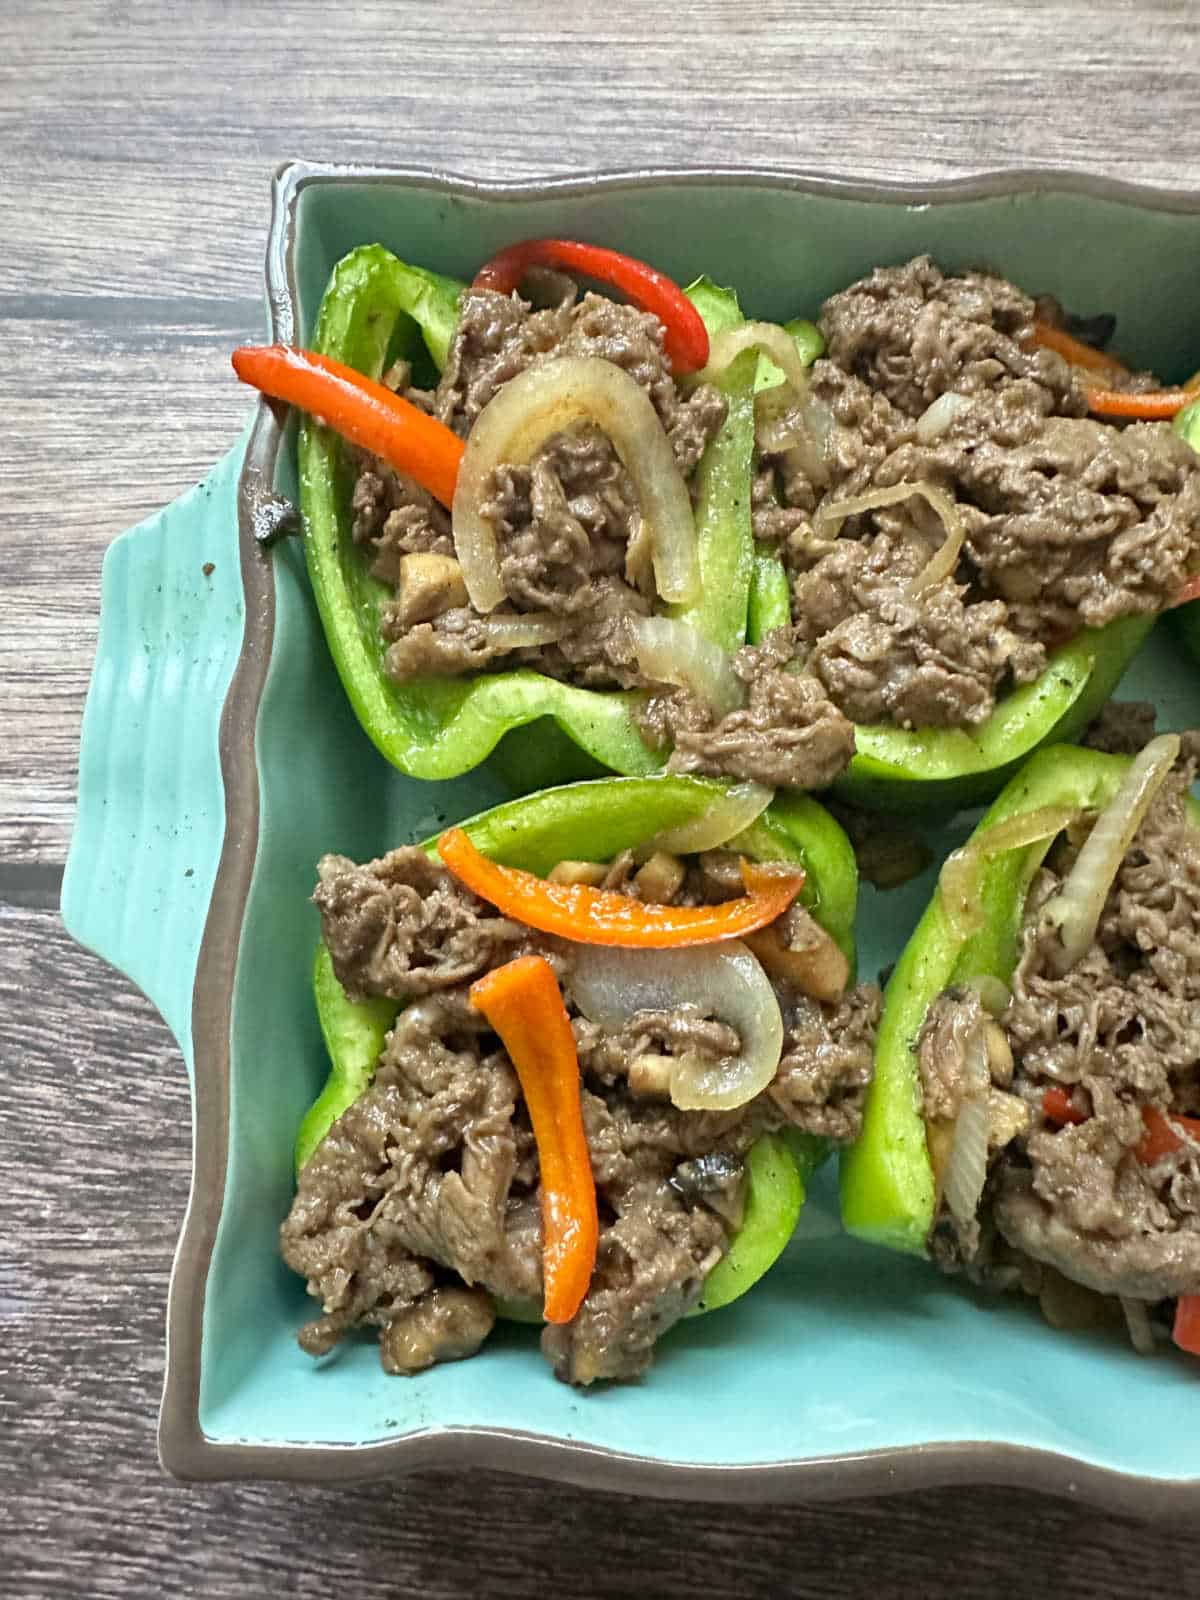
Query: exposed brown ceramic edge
{"points": [[184, 1449], [212, 993]]}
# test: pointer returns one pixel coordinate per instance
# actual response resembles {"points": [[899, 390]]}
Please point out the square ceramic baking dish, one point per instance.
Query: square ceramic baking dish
{"points": [[219, 760]]}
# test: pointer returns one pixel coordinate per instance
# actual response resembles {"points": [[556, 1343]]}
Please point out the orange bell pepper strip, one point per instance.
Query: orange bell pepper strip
{"points": [[1160, 1138], [1074, 350], [1186, 1331], [686, 337], [601, 916], [1159, 405], [361, 410], [523, 1003]]}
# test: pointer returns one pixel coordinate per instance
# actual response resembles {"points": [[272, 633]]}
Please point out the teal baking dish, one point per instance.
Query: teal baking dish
{"points": [[219, 759]]}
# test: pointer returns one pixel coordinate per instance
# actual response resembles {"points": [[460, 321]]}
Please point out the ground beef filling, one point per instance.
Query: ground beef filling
{"points": [[568, 528], [1121, 1031], [1072, 523], [420, 1208]]}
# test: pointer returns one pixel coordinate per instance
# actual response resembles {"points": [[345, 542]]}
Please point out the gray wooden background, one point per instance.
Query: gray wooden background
{"points": [[137, 142]]}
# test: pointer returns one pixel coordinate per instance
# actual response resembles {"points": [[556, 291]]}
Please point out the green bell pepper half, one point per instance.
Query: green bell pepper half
{"points": [[936, 771], [887, 1185], [373, 310], [596, 821]]}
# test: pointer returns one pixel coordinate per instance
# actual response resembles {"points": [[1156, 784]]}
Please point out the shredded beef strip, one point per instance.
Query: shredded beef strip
{"points": [[420, 1207]]}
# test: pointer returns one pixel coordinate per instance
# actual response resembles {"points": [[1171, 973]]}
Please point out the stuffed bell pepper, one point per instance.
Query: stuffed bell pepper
{"points": [[585, 1052], [895, 554], [1034, 1120]]}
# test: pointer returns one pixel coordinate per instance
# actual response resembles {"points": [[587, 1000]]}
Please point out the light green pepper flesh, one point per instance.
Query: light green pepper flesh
{"points": [[1187, 618], [887, 1186], [354, 1032], [770, 593], [596, 821]]}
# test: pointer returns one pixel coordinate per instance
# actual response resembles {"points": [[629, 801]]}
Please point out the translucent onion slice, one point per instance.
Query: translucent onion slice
{"points": [[994, 995], [771, 339], [936, 418], [1137, 1321], [958, 881], [1075, 910], [801, 432], [671, 651], [728, 815], [827, 524], [527, 411], [610, 986], [516, 633], [966, 1166]]}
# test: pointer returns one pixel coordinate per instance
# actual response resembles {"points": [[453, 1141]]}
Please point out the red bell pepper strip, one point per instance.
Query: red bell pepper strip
{"points": [[1160, 1138], [585, 915], [686, 336], [361, 410], [523, 1003], [1059, 1107], [1186, 1332]]}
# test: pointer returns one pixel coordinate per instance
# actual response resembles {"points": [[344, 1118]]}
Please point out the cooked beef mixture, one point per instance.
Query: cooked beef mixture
{"points": [[1074, 1210], [1071, 522], [567, 525], [421, 1209], [928, 378]]}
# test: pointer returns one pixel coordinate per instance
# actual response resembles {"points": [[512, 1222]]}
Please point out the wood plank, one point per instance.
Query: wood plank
{"points": [[94, 1109]]}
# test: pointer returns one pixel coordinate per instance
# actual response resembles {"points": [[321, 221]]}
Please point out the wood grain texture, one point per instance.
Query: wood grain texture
{"points": [[139, 141]]}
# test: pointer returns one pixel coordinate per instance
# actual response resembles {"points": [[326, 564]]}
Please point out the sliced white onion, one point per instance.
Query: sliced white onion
{"points": [[966, 1165], [827, 524], [1137, 1320], [610, 986], [958, 881], [944, 559], [994, 995], [768, 337], [802, 436], [1075, 910], [541, 402], [936, 418], [729, 814], [516, 633], [671, 651]]}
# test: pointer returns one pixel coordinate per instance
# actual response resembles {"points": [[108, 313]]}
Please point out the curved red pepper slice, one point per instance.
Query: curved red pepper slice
{"points": [[686, 339], [361, 410]]}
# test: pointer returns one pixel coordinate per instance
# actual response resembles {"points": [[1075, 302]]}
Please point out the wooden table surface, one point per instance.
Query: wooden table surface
{"points": [[138, 144]]}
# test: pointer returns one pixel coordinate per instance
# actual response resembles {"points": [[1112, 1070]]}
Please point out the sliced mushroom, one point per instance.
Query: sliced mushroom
{"points": [[797, 950], [650, 1077], [591, 873], [428, 586], [660, 878]]}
